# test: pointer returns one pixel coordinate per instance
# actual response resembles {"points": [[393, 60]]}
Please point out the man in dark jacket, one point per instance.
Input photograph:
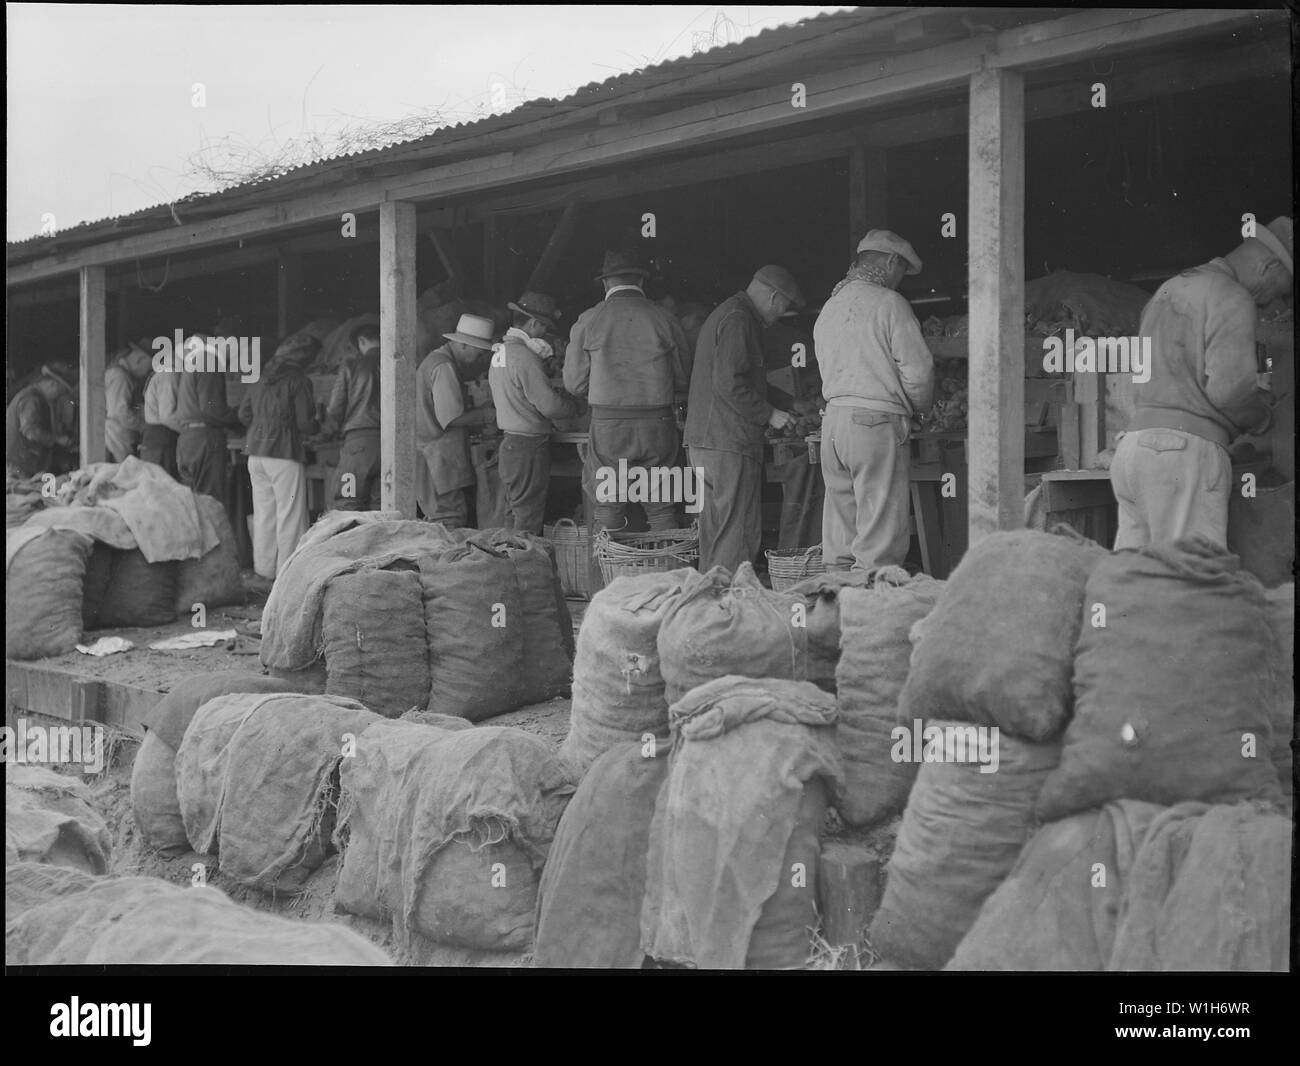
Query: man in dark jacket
{"points": [[201, 407], [354, 409], [728, 412], [279, 411], [32, 431], [630, 359]]}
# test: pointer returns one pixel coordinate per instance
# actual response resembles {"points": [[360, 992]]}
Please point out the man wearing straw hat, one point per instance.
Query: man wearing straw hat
{"points": [[877, 375], [525, 404], [1171, 472], [443, 468], [630, 358]]}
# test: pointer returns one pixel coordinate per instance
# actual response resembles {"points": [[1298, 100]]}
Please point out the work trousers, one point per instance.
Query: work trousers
{"points": [[866, 465], [158, 445], [356, 480], [731, 518], [201, 461], [1170, 484], [802, 500], [643, 440], [524, 465], [279, 511]]}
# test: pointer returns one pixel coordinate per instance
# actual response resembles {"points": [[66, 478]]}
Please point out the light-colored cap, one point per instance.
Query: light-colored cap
{"points": [[1277, 237], [885, 240]]}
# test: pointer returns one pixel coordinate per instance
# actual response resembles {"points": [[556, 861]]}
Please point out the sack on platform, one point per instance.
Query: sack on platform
{"points": [[1173, 694], [618, 690], [154, 806], [589, 899], [446, 831], [872, 670], [999, 646], [43, 582], [1210, 890], [741, 798], [375, 647], [49, 819], [1261, 532], [146, 921], [1060, 905], [257, 780], [1280, 604], [213, 580], [721, 626], [30, 884], [94, 586], [140, 593], [961, 834]]}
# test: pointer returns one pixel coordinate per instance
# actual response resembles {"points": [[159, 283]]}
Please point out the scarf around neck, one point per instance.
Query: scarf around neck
{"points": [[868, 273]]}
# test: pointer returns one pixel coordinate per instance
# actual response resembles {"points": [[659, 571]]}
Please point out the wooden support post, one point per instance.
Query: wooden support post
{"points": [[491, 225], [397, 297], [868, 193], [562, 236], [1088, 393], [288, 294], [848, 881], [996, 454], [92, 406], [857, 198]]}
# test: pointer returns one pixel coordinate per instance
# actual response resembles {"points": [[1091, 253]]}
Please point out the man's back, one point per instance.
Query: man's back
{"points": [[627, 352]]}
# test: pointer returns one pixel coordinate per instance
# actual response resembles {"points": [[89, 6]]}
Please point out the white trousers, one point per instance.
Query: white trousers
{"points": [[279, 511]]}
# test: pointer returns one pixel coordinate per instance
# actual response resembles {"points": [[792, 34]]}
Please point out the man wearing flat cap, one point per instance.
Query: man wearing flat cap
{"points": [[1171, 472], [629, 358], [32, 430], [525, 405], [877, 375], [444, 469], [728, 412]]}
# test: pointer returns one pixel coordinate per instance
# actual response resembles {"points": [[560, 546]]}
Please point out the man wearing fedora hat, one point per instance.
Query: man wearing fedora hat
{"points": [[124, 382], [728, 412], [32, 433], [525, 404], [630, 359], [1171, 471], [444, 469], [877, 375]]}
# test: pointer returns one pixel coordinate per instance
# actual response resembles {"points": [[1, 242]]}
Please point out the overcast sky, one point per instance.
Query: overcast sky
{"points": [[100, 114]]}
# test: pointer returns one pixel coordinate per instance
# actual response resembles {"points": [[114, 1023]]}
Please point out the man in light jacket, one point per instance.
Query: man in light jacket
{"points": [[1171, 472], [877, 375], [526, 403], [162, 428], [124, 401]]}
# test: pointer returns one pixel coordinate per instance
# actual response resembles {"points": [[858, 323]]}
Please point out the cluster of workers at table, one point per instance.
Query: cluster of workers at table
{"points": [[627, 358]]}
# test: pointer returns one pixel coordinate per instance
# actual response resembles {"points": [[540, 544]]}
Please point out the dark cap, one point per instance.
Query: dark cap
{"points": [[622, 261], [781, 280], [537, 305]]}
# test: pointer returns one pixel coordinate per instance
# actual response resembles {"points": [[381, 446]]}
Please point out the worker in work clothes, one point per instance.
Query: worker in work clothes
{"points": [[161, 426], [32, 431], [1171, 472], [444, 469], [525, 404], [629, 358], [202, 410], [727, 413], [802, 491], [280, 413], [877, 376], [124, 383], [354, 410]]}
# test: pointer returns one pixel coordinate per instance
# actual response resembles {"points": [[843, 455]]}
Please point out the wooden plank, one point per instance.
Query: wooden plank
{"points": [[126, 706], [288, 293], [1077, 494], [55, 693], [848, 887], [831, 93], [1087, 395], [996, 451], [491, 263], [92, 407], [446, 254], [397, 295], [555, 248], [877, 206], [857, 198]]}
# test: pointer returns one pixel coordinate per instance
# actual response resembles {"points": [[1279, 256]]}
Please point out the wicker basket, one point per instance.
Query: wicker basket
{"points": [[792, 565], [572, 556], [629, 554]]}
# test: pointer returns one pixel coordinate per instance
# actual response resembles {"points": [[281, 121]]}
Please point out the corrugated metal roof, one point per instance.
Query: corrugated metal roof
{"points": [[608, 91]]}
